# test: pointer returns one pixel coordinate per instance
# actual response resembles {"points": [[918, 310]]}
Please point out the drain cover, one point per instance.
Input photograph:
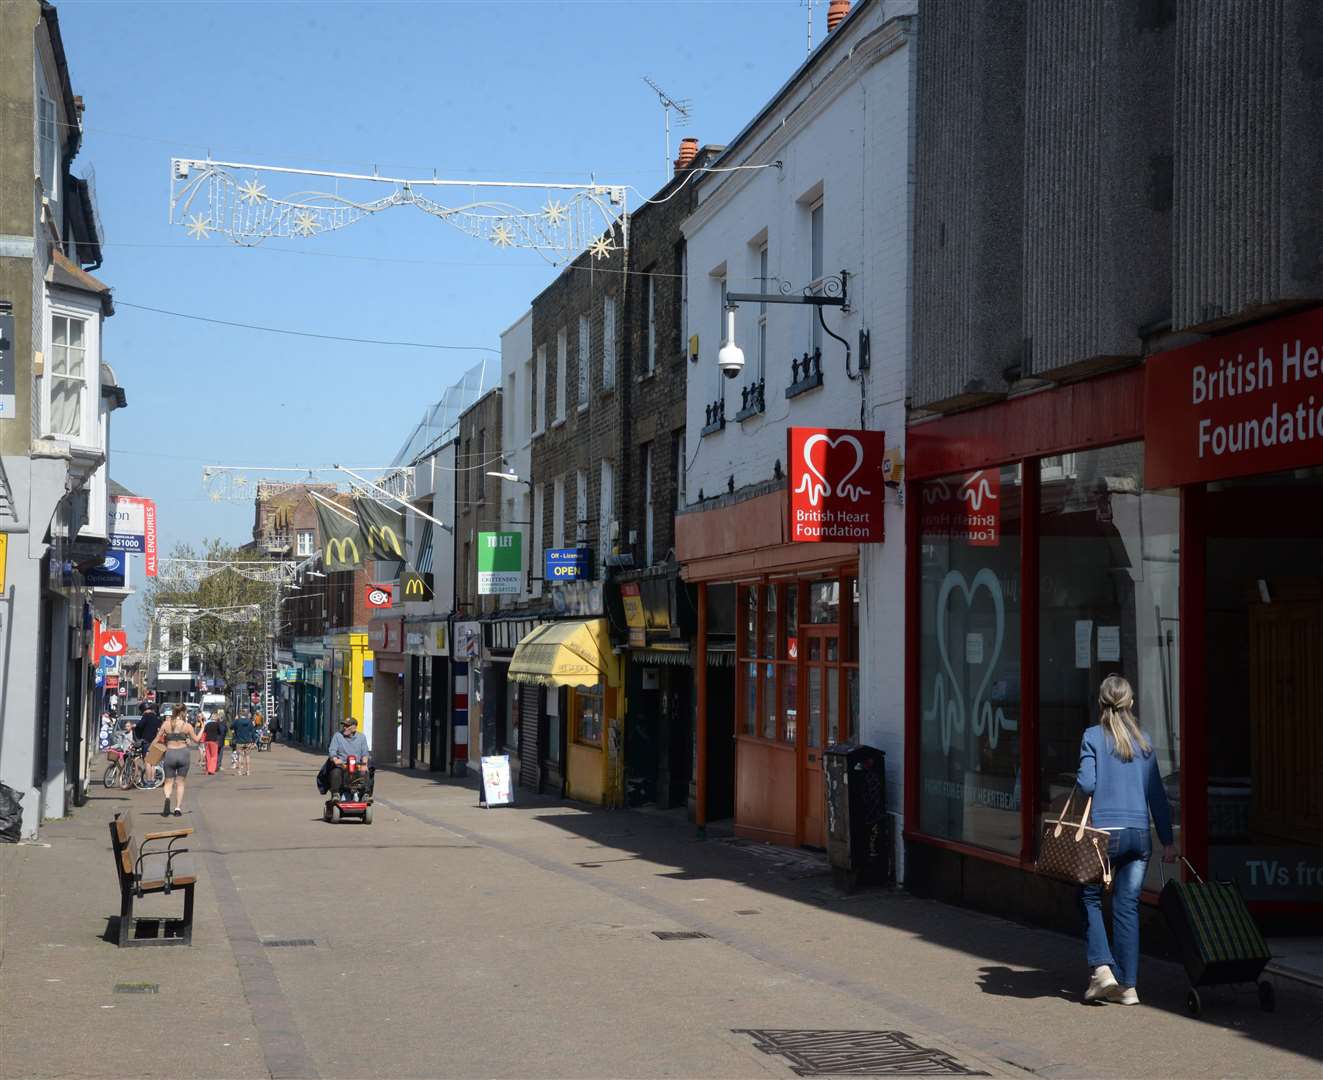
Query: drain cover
{"points": [[855, 1053], [679, 935], [138, 988], [287, 943], [749, 911]]}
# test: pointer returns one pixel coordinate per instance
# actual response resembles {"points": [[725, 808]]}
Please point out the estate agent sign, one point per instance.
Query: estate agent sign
{"points": [[1235, 405], [836, 485], [500, 564]]}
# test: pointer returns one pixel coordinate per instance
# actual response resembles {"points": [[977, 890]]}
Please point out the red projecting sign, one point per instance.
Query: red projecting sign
{"points": [[1235, 405], [379, 596], [110, 643], [836, 485]]}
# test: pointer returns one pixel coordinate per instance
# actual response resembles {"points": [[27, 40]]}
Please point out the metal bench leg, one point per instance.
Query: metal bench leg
{"points": [[188, 914], [125, 916]]}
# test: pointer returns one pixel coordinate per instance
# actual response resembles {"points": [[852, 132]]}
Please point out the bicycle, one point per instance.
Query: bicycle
{"points": [[135, 772], [117, 756]]}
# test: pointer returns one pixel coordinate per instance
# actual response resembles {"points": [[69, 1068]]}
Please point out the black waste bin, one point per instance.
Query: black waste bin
{"points": [[859, 841]]}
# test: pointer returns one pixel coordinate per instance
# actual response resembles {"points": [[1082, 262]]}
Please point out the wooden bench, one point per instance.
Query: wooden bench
{"points": [[142, 869]]}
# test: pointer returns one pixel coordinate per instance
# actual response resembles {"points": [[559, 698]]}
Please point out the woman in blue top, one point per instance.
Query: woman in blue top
{"points": [[1120, 771]]}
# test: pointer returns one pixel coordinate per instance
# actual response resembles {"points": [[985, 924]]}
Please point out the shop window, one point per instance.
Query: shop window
{"points": [[587, 715], [969, 658], [1108, 604], [824, 602], [769, 620]]}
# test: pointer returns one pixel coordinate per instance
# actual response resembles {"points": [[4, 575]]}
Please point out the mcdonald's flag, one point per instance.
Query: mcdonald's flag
{"points": [[383, 527], [342, 540], [415, 586]]}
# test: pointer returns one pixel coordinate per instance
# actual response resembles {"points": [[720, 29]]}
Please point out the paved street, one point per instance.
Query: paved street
{"points": [[454, 941]]}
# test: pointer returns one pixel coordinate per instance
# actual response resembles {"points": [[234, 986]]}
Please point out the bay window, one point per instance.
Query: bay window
{"points": [[66, 408]]}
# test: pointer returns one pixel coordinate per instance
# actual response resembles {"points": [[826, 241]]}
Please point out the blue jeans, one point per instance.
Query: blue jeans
{"points": [[1129, 850]]}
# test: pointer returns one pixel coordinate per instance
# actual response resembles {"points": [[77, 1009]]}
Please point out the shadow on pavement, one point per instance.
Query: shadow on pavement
{"points": [[1007, 982]]}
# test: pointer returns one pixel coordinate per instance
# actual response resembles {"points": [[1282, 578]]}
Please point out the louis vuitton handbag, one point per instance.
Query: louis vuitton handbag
{"points": [[1074, 852]]}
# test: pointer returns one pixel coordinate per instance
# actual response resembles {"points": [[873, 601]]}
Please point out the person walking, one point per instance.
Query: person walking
{"points": [[175, 734], [214, 734], [200, 728], [1119, 769], [244, 734]]}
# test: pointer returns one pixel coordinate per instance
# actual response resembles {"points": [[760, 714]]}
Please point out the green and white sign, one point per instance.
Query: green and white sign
{"points": [[500, 564]]}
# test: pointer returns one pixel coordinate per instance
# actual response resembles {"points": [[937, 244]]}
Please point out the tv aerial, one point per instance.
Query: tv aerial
{"points": [[683, 109]]}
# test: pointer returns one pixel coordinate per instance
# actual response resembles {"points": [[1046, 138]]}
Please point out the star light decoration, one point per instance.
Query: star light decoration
{"points": [[227, 198]]}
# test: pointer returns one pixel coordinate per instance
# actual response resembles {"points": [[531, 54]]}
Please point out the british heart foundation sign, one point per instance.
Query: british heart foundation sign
{"points": [[836, 485], [1235, 405]]}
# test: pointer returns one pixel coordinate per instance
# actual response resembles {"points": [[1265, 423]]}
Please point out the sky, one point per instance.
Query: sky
{"points": [[505, 90]]}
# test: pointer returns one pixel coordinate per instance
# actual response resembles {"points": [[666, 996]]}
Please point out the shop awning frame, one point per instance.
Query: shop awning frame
{"points": [[575, 652]]}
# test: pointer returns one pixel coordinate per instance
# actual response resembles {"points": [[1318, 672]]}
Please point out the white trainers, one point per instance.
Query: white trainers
{"points": [[1101, 985], [1119, 995]]}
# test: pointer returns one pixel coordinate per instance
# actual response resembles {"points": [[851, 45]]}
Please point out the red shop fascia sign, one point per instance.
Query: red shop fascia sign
{"points": [[1241, 404]]}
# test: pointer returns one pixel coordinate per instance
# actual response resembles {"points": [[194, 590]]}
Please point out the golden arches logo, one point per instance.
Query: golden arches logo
{"points": [[414, 586], [336, 549], [384, 539]]}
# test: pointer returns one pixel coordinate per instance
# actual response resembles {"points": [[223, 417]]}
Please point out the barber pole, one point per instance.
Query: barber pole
{"points": [[459, 729]]}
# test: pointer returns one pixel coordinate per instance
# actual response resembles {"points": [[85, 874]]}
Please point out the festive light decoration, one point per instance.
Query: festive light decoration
{"points": [[227, 198]]}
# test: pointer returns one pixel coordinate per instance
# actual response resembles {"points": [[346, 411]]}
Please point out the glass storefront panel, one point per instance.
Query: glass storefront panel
{"points": [[769, 701], [969, 658], [1264, 690], [1108, 601]]}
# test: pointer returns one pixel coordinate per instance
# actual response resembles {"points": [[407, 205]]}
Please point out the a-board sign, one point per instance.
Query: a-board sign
{"points": [[496, 790]]}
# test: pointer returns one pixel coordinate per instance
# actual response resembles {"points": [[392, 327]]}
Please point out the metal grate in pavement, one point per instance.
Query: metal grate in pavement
{"points": [[288, 943], [679, 935], [748, 911], [855, 1053], [137, 988]]}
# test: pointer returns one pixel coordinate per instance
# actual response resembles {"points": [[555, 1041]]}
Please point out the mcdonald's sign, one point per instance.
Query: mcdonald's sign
{"points": [[384, 542], [342, 553], [415, 586]]}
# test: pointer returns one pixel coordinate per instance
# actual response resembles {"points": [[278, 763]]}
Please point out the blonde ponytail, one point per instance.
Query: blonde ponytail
{"points": [[1115, 702]]}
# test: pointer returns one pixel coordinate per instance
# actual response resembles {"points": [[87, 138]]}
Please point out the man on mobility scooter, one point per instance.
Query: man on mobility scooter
{"points": [[347, 776]]}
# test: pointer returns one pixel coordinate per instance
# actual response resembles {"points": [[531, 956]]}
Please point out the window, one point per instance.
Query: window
{"points": [[562, 358], [645, 461], [539, 414], [539, 531], [585, 360], [650, 352], [815, 270], [762, 313], [681, 467], [609, 342], [49, 139], [606, 508], [969, 658], [305, 543], [581, 507], [479, 468], [68, 383], [586, 714], [558, 513]]}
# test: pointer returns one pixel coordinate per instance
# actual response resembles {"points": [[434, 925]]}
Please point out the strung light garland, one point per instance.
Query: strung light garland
{"points": [[227, 198]]}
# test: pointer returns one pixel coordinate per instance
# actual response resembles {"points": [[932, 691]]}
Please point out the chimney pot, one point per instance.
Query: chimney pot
{"points": [[688, 151], [837, 10]]}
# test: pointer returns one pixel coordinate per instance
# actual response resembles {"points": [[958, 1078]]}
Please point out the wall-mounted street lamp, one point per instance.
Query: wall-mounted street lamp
{"points": [[831, 291], [514, 478]]}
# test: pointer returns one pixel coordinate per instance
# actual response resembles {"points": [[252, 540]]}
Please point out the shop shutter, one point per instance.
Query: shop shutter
{"points": [[530, 746]]}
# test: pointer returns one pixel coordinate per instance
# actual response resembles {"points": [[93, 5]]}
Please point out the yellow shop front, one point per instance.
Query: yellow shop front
{"points": [[575, 656]]}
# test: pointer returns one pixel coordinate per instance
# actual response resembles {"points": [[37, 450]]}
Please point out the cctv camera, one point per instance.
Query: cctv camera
{"points": [[730, 359]]}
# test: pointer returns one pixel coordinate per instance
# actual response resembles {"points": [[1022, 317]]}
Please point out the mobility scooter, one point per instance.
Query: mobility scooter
{"points": [[355, 800]]}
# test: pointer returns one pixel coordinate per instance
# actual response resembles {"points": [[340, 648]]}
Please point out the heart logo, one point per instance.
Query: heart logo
{"points": [[814, 482], [951, 714]]}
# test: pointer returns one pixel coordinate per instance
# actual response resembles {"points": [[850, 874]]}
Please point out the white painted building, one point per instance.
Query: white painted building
{"points": [[821, 188]]}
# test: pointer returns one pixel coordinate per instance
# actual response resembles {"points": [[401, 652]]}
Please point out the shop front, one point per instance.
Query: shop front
{"points": [[1164, 523], [796, 685], [572, 662], [499, 710], [385, 637], [426, 685]]}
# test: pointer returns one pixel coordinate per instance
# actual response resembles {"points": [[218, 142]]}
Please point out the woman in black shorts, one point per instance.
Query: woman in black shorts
{"points": [[176, 733]]}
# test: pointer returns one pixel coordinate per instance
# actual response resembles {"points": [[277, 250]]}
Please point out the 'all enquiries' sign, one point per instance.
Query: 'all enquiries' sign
{"points": [[836, 485]]}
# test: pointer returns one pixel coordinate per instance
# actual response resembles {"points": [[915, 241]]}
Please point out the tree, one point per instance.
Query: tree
{"points": [[226, 597]]}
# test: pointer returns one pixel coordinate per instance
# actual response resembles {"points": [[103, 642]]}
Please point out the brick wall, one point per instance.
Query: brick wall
{"points": [[477, 497]]}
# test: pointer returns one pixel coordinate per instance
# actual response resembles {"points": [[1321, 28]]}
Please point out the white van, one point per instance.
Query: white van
{"points": [[212, 702]]}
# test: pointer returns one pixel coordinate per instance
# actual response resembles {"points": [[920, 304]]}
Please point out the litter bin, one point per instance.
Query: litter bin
{"points": [[859, 838]]}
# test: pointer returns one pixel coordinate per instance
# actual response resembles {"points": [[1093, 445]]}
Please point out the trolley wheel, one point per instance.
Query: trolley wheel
{"points": [[326, 812], [367, 820], [1193, 1005], [336, 815], [1267, 996]]}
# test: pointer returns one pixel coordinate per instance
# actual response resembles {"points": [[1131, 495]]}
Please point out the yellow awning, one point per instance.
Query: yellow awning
{"points": [[572, 653]]}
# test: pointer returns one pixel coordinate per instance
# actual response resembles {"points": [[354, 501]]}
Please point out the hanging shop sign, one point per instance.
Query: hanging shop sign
{"points": [[415, 586], [1236, 405], [379, 596], [8, 379], [500, 564], [966, 507], [565, 564], [110, 643], [111, 681], [836, 485], [110, 574], [133, 527], [384, 636], [632, 601]]}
